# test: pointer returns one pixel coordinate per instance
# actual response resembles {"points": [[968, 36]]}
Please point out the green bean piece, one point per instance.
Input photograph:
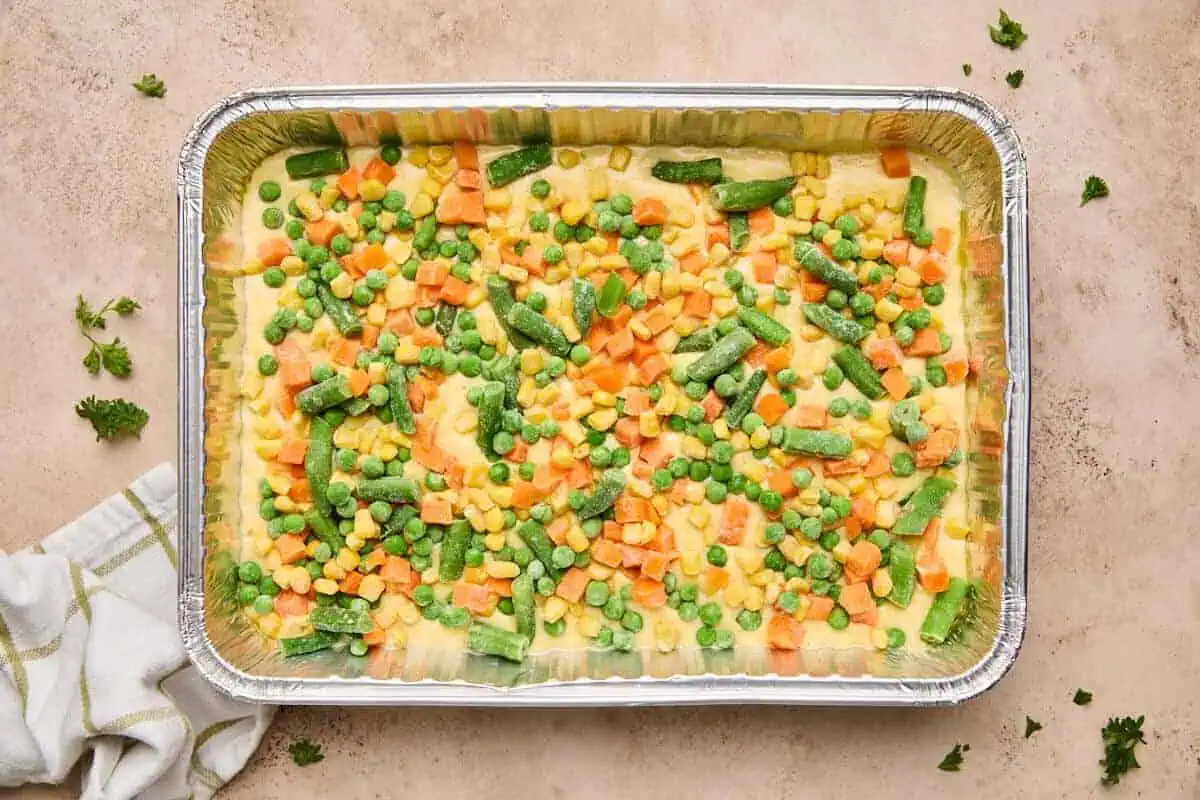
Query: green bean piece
{"points": [[318, 463], [324, 395], [501, 297], [608, 489], [746, 396], [402, 414], [517, 164], [611, 295], [833, 323], [750, 195], [924, 504], [524, 606], [859, 371], [323, 526], [697, 342], [902, 567], [491, 412], [454, 550], [446, 314], [764, 326], [945, 610], [914, 207], [303, 645], [342, 313], [813, 260], [425, 234], [583, 304], [535, 538], [489, 640], [706, 171], [824, 444], [340, 620], [392, 489], [316, 163], [739, 232], [539, 329], [721, 356]]}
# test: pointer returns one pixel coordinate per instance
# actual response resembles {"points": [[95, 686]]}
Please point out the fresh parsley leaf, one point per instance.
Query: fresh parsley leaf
{"points": [[1082, 697], [1032, 726], [1121, 738], [150, 85], [1009, 33], [115, 358], [305, 752], [1093, 187], [1015, 78], [112, 419], [967, 70], [91, 362], [954, 759], [126, 306], [85, 316]]}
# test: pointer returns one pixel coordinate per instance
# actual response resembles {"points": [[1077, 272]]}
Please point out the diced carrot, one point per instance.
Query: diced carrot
{"points": [[655, 565], [761, 220], [300, 491], [812, 290], [655, 453], [373, 257], [473, 212], [896, 383], [290, 548], [649, 370], [351, 582], [713, 405], [925, 344], [620, 345], [714, 580], [436, 510], [877, 464], [929, 538], [844, 466], [370, 336], [629, 509], [698, 304], [863, 510], [285, 401], [473, 597], [754, 357], [884, 353], [294, 369], [273, 251], [359, 382], [868, 617], [432, 273], [292, 451], [658, 320], [894, 162], [784, 632], [819, 607], [930, 270], [501, 587], [734, 521], [571, 587], [416, 397], [347, 183], [771, 407], [648, 593], [864, 558], [810, 416], [454, 291], [290, 604], [627, 433], [524, 495], [781, 481], [912, 302], [716, 234], [580, 475], [637, 401], [379, 170], [932, 573], [765, 266], [375, 559], [631, 556], [449, 208], [606, 552], [468, 179], [322, 231], [777, 359], [558, 529], [375, 636], [895, 252], [935, 449], [856, 598], [345, 352], [466, 156], [956, 370], [649, 211], [693, 262], [942, 239], [643, 350], [395, 570], [853, 528]]}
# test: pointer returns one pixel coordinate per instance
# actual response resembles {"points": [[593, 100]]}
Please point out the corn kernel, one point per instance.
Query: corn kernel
{"points": [[691, 562], [421, 206], [555, 608], [573, 211], [333, 570], [648, 425], [885, 512], [577, 540], [604, 399], [347, 559], [603, 419], [619, 158], [881, 582], [501, 569], [310, 207], [268, 449]]}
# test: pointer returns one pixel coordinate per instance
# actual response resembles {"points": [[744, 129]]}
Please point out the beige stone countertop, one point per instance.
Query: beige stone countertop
{"points": [[87, 203]]}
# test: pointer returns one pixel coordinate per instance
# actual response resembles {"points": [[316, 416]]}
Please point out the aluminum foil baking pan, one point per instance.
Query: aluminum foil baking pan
{"points": [[974, 140]]}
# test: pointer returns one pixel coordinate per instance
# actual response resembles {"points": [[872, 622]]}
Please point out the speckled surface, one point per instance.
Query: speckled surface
{"points": [[87, 188]]}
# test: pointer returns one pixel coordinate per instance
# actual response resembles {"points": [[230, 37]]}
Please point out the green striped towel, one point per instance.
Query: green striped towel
{"points": [[91, 660]]}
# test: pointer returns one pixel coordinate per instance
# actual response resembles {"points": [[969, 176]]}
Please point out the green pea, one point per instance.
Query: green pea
{"points": [[269, 191], [839, 407], [717, 555], [272, 218], [832, 377], [711, 613], [725, 385], [836, 299], [539, 222], [621, 203], [810, 528], [715, 492], [861, 409], [903, 464], [274, 277], [838, 618], [751, 422], [267, 365]]}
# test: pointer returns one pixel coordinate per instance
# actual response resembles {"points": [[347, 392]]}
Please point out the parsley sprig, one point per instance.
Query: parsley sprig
{"points": [[112, 419], [1094, 187], [1121, 738], [305, 752], [111, 356], [1008, 33], [150, 85], [953, 761]]}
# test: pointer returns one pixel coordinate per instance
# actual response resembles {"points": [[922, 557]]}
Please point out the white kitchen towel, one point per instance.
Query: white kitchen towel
{"points": [[91, 660]]}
